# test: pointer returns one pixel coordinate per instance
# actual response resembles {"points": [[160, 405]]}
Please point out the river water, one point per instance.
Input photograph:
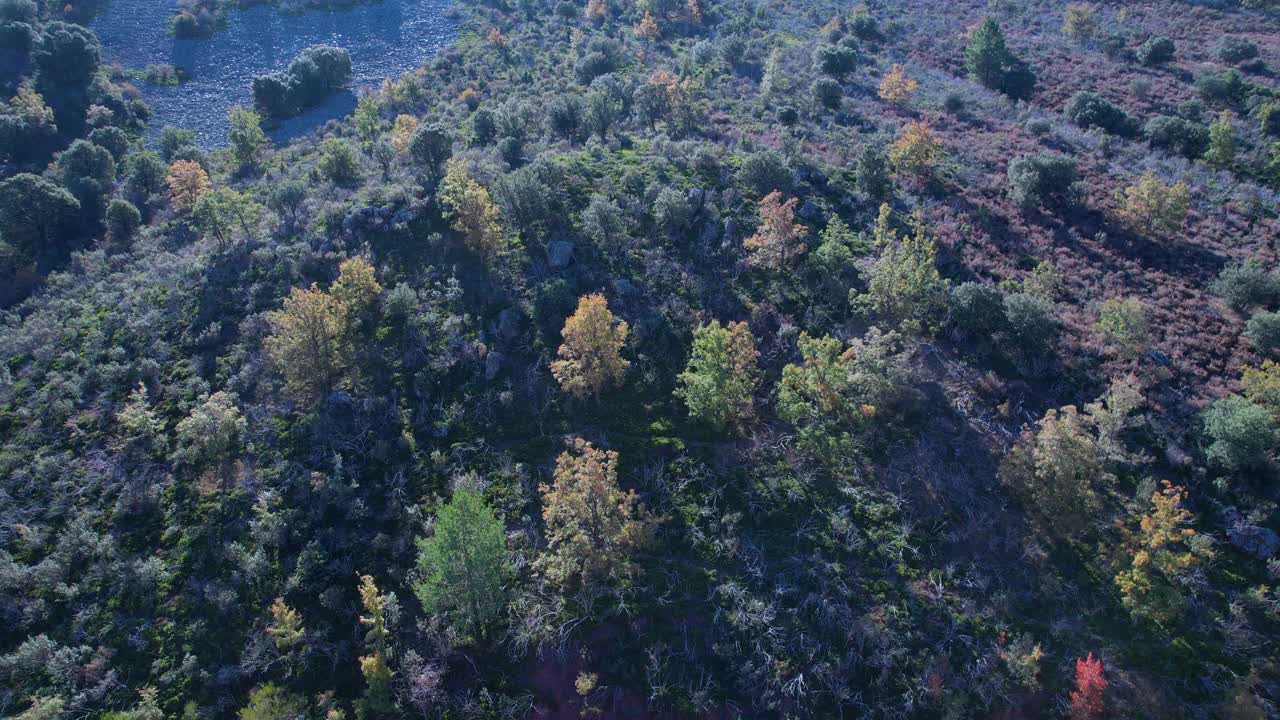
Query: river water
{"points": [[385, 38]]}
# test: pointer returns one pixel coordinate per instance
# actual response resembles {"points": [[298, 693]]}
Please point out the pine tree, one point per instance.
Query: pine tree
{"points": [[590, 356], [1086, 699], [719, 382], [377, 700], [987, 55], [463, 566], [286, 626], [593, 527], [904, 285], [1162, 551]]}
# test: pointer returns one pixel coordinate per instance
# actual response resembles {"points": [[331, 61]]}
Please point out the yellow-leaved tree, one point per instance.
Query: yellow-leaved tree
{"points": [[471, 211], [593, 527], [590, 356]]}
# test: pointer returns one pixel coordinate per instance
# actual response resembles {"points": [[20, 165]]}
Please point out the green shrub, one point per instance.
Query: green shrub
{"points": [[1242, 434], [1245, 285], [1089, 110], [1155, 51], [1040, 179], [1263, 329]]}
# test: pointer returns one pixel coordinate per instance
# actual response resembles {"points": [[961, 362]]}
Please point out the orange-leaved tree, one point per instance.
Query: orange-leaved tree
{"points": [[590, 356]]}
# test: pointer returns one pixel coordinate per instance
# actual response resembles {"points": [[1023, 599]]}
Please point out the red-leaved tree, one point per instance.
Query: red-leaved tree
{"points": [[1086, 699]]}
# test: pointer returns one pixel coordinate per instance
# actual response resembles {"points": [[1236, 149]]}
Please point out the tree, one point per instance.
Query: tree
{"points": [[1123, 322], [403, 131], [123, 221], [144, 174], [37, 217], [1155, 51], [836, 391], [462, 567], [378, 699], [430, 147], [593, 527], [590, 356], [366, 117], [470, 209], [719, 382], [1054, 469], [827, 92], [339, 162], [1086, 699], [987, 54], [916, 151], [1222, 142], [187, 181], [778, 238], [1088, 110], [1079, 20], [1149, 206], [212, 432], [309, 342], [357, 286], [245, 136], [286, 626], [646, 29], [1162, 552], [220, 213], [896, 87], [270, 702], [1263, 330], [904, 286], [602, 221], [988, 61], [1244, 285], [1243, 435], [88, 171]]}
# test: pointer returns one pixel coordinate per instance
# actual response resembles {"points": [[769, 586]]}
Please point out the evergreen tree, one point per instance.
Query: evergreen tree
{"points": [[463, 566]]}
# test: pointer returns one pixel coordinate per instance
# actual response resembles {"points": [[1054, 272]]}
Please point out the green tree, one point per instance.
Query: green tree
{"points": [[286, 626], [1242, 434], [988, 61], [245, 136], [719, 382], [462, 567], [837, 392], [37, 218], [339, 162], [1123, 322], [430, 146], [123, 221], [366, 117], [904, 286], [1055, 469], [1150, 206], [212, 432], [270, 702], [88, 171], [221, 213], [1222, 142]]}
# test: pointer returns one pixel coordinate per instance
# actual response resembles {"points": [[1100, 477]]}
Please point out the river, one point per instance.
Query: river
{"points": [[385, 38]]}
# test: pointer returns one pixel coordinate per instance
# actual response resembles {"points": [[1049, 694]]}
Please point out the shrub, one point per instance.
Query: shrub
{"points": [[671, 211], [1039, 179], [316, 72], [1242, 435], [763, 172], [1185, 137], [977, 310], [1090, 110], [1155, 51], [1225, 86], [1031, 321], [827, 93], [1232, 50], [1245, 285], [835, 60], [1264, 330]]}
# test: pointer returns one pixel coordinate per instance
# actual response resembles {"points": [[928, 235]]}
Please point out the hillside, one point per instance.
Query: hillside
{"points": [[656, 359]]}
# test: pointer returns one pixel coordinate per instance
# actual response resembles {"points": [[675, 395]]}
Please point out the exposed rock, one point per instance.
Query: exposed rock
{"points": [[559, 254]]}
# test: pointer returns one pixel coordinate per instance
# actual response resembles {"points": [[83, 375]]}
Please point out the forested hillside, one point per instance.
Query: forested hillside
{"points": [[654, 359]]}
